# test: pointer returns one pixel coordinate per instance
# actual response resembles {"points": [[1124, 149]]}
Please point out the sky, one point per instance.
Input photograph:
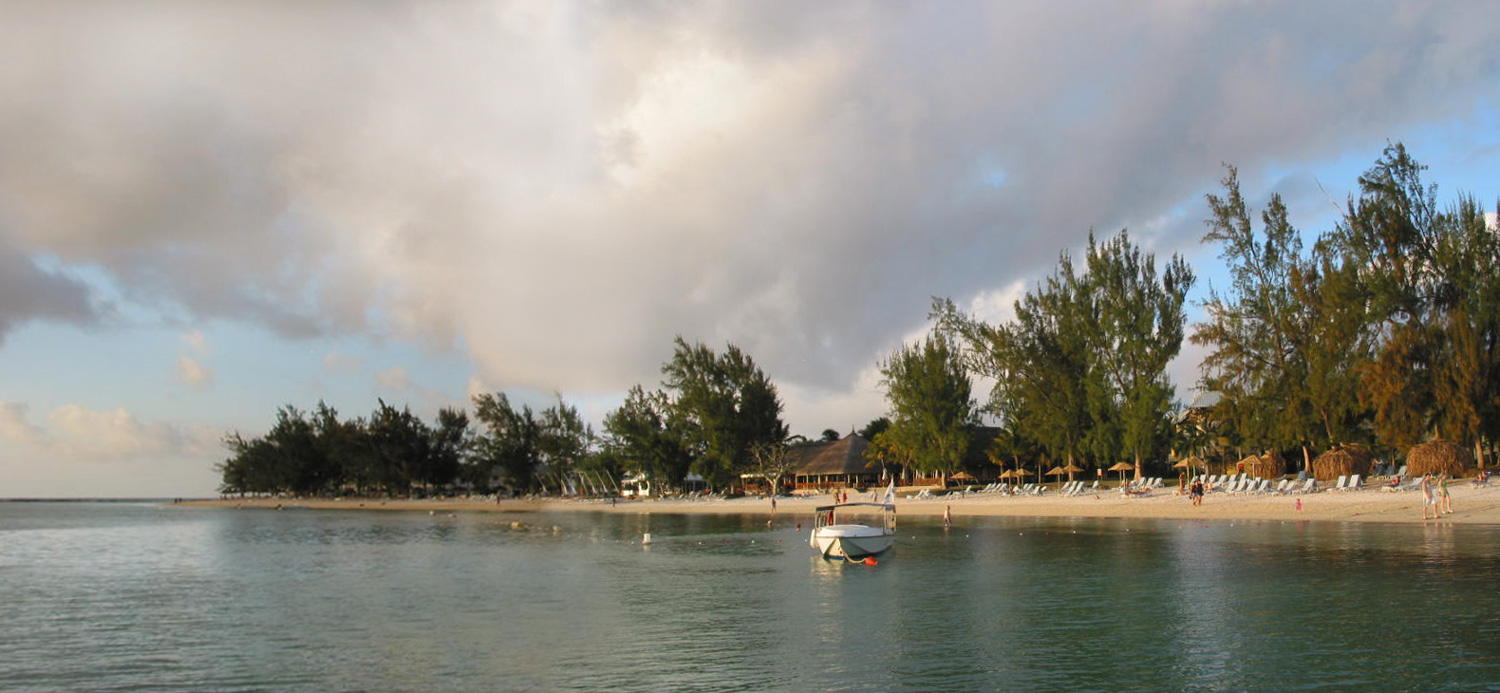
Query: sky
{"points": [[212, 209]]}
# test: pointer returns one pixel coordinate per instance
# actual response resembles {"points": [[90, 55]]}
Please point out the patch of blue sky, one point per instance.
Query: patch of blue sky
{"points": [[991, 173]]}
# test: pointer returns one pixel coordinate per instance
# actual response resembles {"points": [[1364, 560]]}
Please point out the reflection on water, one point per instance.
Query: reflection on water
{"points": [[112, 596]]}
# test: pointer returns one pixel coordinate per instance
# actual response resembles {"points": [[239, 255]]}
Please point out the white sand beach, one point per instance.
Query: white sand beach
{"points": [[1471, 505]]}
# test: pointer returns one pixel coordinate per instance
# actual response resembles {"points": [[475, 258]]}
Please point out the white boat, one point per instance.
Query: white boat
{"points": [[853, 541]]}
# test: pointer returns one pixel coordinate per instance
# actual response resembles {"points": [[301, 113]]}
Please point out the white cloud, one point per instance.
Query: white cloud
{"points": [[193, 373], [394, 379], [191, 370], [118, 433], [335, 362], [16, 426], [83, 452], [196, 342], [561, 188]]}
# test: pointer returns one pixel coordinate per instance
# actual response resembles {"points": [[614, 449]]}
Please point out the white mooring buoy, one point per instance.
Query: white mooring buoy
{"points": [[646, 539]]}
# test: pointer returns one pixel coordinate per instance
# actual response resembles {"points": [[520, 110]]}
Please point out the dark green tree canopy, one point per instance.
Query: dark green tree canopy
{"points": [[931, 412]]}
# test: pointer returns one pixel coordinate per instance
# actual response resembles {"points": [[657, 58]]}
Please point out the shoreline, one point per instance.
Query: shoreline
{"points": [[1472, 506]]}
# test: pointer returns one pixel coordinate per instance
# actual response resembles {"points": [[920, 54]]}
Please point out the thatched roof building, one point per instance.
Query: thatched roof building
{"points": [[1268, 466], [1342, 460], [843, 461], [1438, 457]]}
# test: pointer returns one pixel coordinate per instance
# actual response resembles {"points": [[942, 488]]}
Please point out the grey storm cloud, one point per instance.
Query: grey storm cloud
{"points": [[562, 187]]}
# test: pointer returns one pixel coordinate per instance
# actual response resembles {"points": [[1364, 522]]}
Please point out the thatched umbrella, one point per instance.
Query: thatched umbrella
{"points": [[1438, 457], [1341, 461], [1122, 467], [1072, 469], [1267, 466]]}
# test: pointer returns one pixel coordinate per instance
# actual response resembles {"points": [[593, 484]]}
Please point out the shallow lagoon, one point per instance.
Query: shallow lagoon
{"points": [[109, 596]]}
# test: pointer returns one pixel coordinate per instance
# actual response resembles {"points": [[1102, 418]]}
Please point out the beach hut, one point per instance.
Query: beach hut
{"points": [[1342, 460], [1438, 457], [1268, 466]]}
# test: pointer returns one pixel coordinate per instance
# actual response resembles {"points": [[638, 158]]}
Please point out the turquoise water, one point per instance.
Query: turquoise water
{"points": [[109, 596]]}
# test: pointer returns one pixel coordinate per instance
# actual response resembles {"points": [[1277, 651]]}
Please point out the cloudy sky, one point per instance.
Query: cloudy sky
{"points": [[210, 209]]}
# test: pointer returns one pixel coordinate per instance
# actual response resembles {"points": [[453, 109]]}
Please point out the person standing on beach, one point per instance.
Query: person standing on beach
{"points": [[1196, 492], [1445, 500], [1427, 499]]}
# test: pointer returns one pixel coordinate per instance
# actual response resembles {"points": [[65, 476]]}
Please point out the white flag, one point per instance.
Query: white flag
{"points": [[890, 493]]}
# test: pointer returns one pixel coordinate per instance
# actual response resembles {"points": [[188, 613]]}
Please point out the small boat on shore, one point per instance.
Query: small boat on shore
{"points": [[849, 540]]}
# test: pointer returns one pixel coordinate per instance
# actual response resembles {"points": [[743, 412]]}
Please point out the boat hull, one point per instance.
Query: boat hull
{"points": [[851, 542]]}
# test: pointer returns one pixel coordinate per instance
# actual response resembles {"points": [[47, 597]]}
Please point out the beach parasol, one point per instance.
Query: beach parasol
{"points": [[1122, 467], [1056, 471]]}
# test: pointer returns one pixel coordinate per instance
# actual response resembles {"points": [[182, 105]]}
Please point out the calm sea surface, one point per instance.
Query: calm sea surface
{"points": [[117, 596]]}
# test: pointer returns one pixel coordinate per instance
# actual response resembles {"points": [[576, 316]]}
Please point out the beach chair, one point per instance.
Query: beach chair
{"points": [[1284, 486], [1401, 472], [1342, 484], [1094, 488], [1355, 484]]}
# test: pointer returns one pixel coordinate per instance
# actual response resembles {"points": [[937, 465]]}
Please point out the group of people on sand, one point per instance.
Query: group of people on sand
{"points": [[1437, 500]]}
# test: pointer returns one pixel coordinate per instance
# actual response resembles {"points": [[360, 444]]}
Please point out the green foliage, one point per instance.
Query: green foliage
{"points": [[640, 437], [511, 442], [564, 442], [391, 453], [1287, 340], [931, 412], [1082, 368], [722, 406], [874, 428]]}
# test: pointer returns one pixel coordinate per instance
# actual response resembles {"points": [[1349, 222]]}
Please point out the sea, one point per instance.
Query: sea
{"points": [[148, 596]]}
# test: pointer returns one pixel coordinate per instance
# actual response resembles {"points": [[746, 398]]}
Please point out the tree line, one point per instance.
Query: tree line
{"points": [[1384, 331]]}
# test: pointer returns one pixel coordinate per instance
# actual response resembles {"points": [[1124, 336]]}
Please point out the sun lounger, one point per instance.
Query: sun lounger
{"points": [[1355, 484], [1342, 484]]}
